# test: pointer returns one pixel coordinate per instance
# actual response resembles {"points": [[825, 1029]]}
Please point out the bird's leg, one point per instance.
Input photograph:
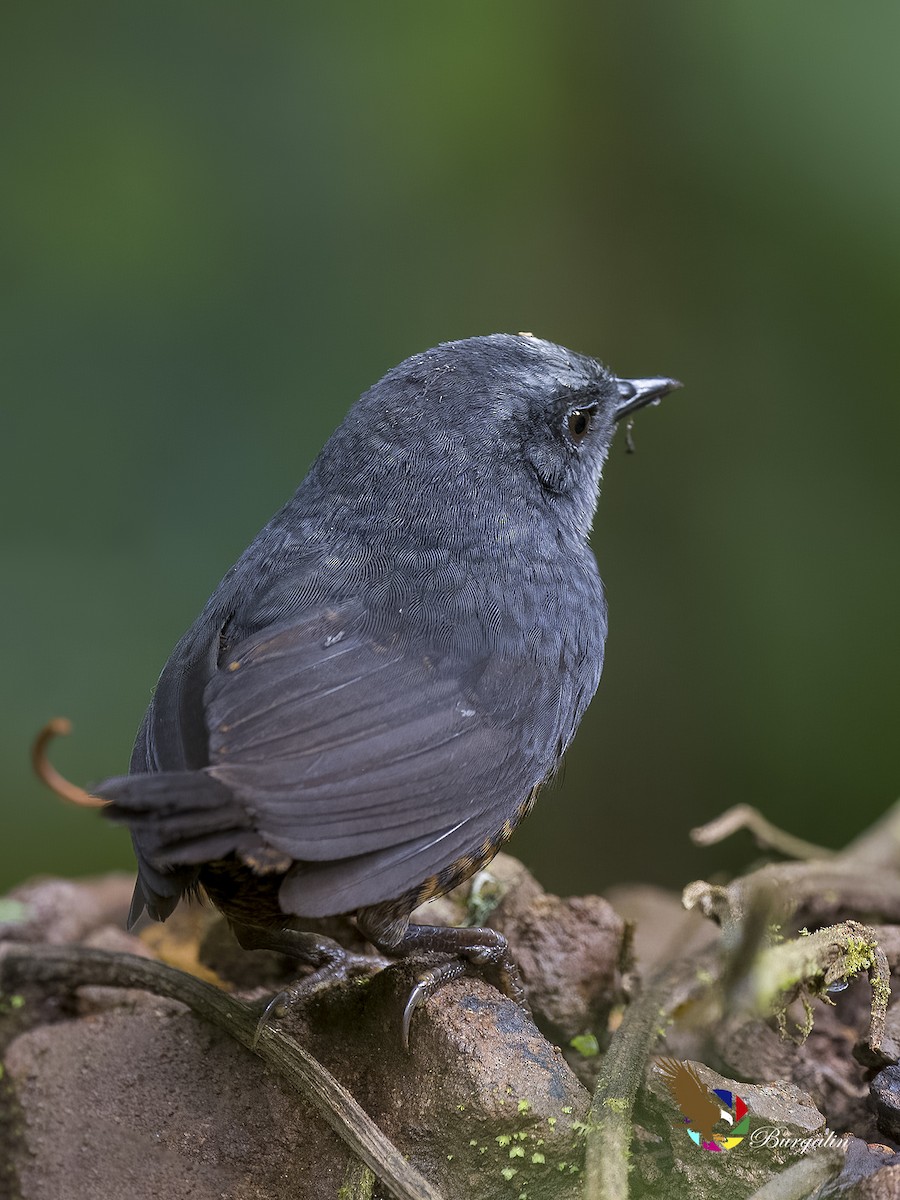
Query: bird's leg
{"points": [[483, 948], [330, 961]]}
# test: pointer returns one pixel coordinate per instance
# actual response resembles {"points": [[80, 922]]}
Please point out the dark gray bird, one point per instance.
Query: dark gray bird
{"points": [[372, 697]]}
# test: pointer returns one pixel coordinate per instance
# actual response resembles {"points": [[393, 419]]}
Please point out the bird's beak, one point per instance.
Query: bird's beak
{"points": [[635, 393]]}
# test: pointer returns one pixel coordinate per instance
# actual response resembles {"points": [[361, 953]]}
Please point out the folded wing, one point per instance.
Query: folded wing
{"points": [[371, 761]]}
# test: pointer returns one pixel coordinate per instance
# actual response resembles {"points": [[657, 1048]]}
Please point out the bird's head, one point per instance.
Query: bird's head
{"points": [[507, 415]]}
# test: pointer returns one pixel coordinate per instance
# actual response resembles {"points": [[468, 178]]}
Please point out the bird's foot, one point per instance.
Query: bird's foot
{"points": [[339, 968], [331, 963], [485, 950], [499, 969]]}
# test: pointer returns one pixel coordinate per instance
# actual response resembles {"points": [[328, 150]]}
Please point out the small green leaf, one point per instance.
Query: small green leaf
{"points": [[586, 1045]]}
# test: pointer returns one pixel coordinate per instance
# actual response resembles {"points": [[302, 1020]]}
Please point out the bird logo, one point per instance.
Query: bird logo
{"points": [[703, 1108]]}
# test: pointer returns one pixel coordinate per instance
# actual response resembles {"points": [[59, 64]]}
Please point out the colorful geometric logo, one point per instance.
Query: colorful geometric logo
{"points": [[703, 1108], [735, 1113]]}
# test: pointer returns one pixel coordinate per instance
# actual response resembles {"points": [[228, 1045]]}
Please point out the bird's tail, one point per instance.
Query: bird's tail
{"points": [[178, 817], [178, 821]]}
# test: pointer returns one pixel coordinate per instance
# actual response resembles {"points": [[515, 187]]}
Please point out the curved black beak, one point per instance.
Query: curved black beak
{"points": [[635, 393]]}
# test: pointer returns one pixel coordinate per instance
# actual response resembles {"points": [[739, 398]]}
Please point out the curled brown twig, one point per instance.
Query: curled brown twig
{"points": [[47, 773]]}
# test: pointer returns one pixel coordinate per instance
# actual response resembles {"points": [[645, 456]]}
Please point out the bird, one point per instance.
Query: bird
{"points": [[700, 1108], [377, 690]]}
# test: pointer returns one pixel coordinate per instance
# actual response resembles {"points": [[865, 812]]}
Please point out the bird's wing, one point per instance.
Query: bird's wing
{"points": [[691, 1095], [373, 762], [172, 736]]}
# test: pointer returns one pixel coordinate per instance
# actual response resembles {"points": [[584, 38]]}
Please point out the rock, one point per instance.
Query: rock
{"points": [[63, 911], [869, 1173], [483, 1105], [883, 1184], [572, 953], [885, 1093], [147, 1101], [144, 1105]]}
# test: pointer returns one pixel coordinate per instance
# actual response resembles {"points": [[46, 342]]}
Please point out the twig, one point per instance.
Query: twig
{"points": [[609, 1123], [45, 771], [767, 835], [76, 966], [802, 1179], [879, 845], [817, 888], [809, 965]]}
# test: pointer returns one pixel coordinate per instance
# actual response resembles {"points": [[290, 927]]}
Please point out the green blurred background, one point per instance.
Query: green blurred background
{"points": [[219, 223]]}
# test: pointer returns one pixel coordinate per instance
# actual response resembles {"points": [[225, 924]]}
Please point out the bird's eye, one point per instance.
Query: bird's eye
{"points": [[580, 423]]}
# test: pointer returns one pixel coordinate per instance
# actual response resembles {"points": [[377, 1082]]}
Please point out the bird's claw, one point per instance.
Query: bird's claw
{"points": [[278, 1002], [426, 985], [503, 974]]}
